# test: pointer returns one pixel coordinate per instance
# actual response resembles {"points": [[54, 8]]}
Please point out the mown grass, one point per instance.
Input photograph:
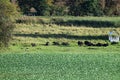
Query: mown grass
{"points": [[39, 30], [40, 34]]}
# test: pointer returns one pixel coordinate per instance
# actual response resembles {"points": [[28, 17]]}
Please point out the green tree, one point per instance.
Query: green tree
{"points": [[112, 7], [85, 7], [58, 8], [42, 6], [74, 7], [7, 11], [92, 8]]}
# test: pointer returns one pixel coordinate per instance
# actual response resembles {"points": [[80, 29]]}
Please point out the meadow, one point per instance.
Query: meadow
{"points": [[22, 61]]}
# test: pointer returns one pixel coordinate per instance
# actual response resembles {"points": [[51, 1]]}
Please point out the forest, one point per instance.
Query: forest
{"points": [[69, 7]]}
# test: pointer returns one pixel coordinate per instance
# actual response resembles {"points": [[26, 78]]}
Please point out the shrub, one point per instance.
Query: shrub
{"points": [[57, 20], [31, 20]]}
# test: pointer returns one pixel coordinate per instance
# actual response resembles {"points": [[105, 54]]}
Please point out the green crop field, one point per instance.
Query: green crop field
{"points": [[23, 61], [79, 64]]}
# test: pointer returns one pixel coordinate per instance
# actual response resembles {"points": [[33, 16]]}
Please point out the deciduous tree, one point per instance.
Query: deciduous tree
{"points": [[7, 12]]}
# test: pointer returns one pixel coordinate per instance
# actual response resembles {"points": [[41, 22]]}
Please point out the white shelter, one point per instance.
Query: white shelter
{"points": [[114, 36]]}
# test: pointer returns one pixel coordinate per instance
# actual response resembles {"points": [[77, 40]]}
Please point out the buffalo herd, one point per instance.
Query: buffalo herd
{"points": [[88, 43], [79, 43]]}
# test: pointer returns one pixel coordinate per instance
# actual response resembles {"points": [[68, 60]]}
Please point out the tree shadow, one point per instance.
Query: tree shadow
{"points": [[87, 23], [76, 37]]}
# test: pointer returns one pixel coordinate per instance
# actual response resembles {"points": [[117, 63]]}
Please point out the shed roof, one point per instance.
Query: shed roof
{"points": [[113, 32], [32, 9]]}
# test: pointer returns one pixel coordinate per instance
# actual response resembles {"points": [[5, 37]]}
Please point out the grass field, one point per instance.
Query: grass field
{"points": [[21, 61], [40, 34], [91, 65]]}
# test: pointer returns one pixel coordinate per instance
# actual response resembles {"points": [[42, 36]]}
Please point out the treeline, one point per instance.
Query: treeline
{"points": [[70, 7]]}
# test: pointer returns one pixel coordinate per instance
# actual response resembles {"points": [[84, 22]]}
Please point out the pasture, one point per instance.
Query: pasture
{"points": [[23, 61]]}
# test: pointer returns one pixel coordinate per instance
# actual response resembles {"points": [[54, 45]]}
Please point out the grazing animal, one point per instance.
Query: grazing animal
{"points": [[65, 43], [36, 33], [56, 43], [80, 43], [99, 44], [87, 43], [105, 45], [33, 44], [47, 43]]}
